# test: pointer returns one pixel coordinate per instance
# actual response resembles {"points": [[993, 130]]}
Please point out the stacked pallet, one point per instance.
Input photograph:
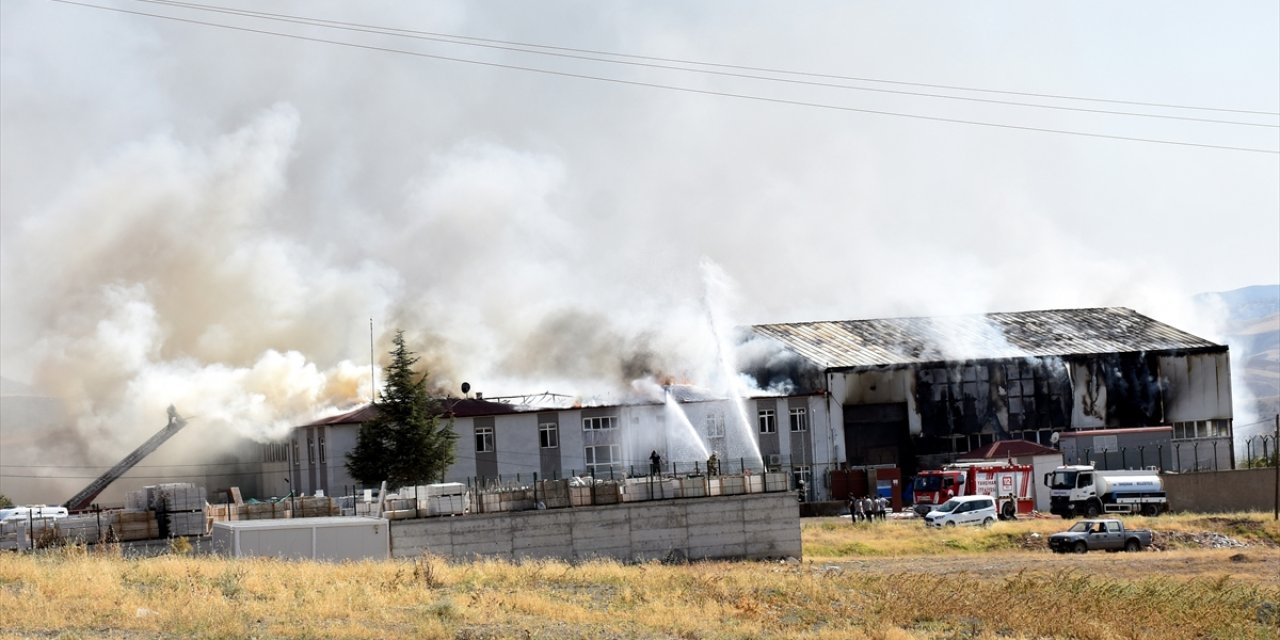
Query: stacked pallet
{"points": [[728, 486], [445, 498], [775, 481], [182, 505], [598, 493], [641, 489], [178, 496], [219, 512], [86, 529], [506, 500], [554, 494], [135, 525], [261, 510], [13, 535], [314, 507], [139, 500], [693, 487], [400, 508], [187, 523]]}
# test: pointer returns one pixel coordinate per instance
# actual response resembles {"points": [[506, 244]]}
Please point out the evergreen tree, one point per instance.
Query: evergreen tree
{"points": [[406, 443]]}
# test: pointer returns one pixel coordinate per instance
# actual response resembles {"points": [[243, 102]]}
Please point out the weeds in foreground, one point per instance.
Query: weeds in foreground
{"points": [[203, 597]]}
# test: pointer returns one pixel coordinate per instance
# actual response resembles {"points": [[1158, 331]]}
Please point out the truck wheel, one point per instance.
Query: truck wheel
{"points": [[951, 524], [1132, 545], [1009, 511], [989, 521], [1080, 547], [1091, 510], [1151, 509]]}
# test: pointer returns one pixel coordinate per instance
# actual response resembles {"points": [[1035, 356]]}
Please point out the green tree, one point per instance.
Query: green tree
{"points": [[5, 502], [407, 442]]}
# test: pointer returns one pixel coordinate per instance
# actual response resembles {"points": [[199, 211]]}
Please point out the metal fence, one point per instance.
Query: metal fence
{"points": [[1187, 456], [1258, 451]]}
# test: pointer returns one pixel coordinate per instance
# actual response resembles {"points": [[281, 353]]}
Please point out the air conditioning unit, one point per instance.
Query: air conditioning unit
{"points": [[775, 459]]}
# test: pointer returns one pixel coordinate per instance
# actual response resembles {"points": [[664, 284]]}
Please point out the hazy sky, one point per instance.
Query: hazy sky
{"points": [[185, 206]]}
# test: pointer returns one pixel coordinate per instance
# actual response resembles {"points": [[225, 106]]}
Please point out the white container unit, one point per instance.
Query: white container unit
{"points": [[348, 538]]}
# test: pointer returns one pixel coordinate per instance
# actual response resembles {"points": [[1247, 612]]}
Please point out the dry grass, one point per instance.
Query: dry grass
{"points": [[834, 538], [71, 593]]}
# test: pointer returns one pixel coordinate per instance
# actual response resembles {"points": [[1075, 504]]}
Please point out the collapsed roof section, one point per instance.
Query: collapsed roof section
{"points": [[852, 344]]}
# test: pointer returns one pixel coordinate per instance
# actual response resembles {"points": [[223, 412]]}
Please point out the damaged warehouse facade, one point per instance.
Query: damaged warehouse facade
{"points": [[913, 393], [917, 392]]}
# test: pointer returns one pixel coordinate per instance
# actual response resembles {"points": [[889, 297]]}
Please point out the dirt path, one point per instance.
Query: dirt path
{"points": [[1255, 565]]}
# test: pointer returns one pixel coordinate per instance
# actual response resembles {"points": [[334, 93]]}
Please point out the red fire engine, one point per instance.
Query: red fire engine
{"points": [[1010, 484]]}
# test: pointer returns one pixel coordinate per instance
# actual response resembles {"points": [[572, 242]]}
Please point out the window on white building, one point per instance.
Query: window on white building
{"points": [[600, 423], [602, 456], [768, 421], [799, 420], [322, 455], [715, 425], [549, 435], [311, 449], [484, 439]]}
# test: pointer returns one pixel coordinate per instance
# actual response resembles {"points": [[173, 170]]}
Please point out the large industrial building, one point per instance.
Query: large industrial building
{"points": [[906, 392]]}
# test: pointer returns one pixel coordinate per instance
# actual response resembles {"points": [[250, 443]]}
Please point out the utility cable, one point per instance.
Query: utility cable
{"points": [[419, 35], [678, 88], [507, 44]]}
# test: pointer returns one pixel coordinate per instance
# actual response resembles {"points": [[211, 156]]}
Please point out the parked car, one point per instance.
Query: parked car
{"points": [[963, 510], [1105, 534]]}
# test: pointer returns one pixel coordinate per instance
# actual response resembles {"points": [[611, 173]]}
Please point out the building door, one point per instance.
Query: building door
{"points": [[878, 434]]}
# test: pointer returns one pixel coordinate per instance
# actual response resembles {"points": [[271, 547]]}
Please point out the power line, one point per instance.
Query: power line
{"points": [[508, 45], [445, 38], [681, 89]]}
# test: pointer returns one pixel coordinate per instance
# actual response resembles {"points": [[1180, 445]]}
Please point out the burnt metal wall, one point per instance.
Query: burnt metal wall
{"points": [[949, 401]]}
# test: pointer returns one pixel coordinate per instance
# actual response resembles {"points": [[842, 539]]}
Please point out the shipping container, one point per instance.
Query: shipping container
{"points": [[334, 538]]}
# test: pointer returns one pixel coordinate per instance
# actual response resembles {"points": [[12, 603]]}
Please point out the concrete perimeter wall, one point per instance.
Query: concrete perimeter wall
{"points": [[1222, 491], [746, 526]]}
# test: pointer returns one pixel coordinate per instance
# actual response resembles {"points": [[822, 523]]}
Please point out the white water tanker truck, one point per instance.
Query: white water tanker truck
{"points": [[1083, 490]]}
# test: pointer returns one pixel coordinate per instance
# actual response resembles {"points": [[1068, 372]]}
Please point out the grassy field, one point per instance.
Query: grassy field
{"points": [[827, 538], [888, 581]]}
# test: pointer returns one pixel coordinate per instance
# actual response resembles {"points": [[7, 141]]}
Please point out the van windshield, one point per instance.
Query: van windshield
{"points": [[1063, 480], [948, 506], [928, 483]]}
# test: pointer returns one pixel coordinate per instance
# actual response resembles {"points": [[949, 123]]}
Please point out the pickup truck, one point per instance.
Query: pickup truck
{"points": [[1105, 534]]}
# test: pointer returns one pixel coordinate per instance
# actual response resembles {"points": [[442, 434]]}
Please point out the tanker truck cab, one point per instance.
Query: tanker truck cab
{"points": [[1084, 490]]}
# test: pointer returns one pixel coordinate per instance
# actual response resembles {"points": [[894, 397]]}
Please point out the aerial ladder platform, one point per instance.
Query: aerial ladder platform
{"points": [[84, 499]]}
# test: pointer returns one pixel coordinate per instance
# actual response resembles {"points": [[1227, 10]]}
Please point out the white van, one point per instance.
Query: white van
{"points": [[963, 510]]}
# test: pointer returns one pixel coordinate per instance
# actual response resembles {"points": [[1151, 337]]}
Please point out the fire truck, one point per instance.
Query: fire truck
{"points": [[1010, 484]]}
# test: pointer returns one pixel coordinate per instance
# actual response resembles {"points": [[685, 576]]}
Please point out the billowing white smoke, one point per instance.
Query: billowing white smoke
{"points": [[170, 273], [160, 278]]}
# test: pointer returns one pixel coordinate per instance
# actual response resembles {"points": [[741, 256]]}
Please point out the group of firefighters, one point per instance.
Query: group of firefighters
{"points": [[867, 508]]}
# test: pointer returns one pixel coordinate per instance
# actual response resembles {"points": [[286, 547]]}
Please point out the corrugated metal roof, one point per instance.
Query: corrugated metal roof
{"points": [[356, 416], [896, 341], [452, 407], [1008, 449]]}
